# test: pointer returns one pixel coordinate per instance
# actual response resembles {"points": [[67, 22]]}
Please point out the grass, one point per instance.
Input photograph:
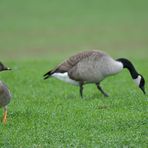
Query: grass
{"points": [[35, 36], [51, 113]]}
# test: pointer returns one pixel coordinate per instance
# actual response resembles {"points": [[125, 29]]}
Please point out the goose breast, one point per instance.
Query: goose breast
{"points": [[5, 95]]}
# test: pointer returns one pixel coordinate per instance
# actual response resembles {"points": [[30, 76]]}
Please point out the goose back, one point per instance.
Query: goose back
{"points": [[74, 60]]}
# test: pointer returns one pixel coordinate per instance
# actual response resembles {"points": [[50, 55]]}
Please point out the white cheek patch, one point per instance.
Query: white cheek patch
{"points": [[65, 77], [137, 80]]}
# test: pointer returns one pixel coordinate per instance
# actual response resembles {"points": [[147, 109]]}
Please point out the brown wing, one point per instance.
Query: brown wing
{"points": [[72, 61], [88, 69]]}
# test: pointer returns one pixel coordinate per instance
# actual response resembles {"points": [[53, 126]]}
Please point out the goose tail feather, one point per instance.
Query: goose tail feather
{"points": [[48, 74]]}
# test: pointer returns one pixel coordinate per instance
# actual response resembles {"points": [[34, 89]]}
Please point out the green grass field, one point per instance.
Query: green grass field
{"points": [[36, 36]]}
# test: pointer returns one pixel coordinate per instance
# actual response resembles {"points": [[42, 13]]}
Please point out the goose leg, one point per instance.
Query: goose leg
{"points": [[102, 91], [81, 90], [5, 115]]}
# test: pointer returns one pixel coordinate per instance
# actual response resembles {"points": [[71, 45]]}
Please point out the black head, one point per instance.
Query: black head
{"points": [[3, 67], [142, 84]]}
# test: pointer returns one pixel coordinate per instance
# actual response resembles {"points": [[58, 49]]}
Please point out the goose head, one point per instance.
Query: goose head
{"points": [[3, 67], [140, 82]]}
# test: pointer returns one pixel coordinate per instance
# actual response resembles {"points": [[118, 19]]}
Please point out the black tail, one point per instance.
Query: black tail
{"points": [[48, 74]]}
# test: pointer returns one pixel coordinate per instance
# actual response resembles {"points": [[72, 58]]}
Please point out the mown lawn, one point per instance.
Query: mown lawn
{"points": [[52, 114], [37, 35]]}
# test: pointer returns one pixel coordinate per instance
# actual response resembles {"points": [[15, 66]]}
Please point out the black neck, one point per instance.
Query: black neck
{"points": [[127, 64]]}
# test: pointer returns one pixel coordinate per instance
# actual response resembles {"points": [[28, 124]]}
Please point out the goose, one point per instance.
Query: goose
{"points": [[5, 95], [93, 66]]}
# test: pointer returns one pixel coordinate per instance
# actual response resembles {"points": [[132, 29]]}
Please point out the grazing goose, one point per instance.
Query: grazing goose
{"points": [[5, 95], [92, 67]]}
